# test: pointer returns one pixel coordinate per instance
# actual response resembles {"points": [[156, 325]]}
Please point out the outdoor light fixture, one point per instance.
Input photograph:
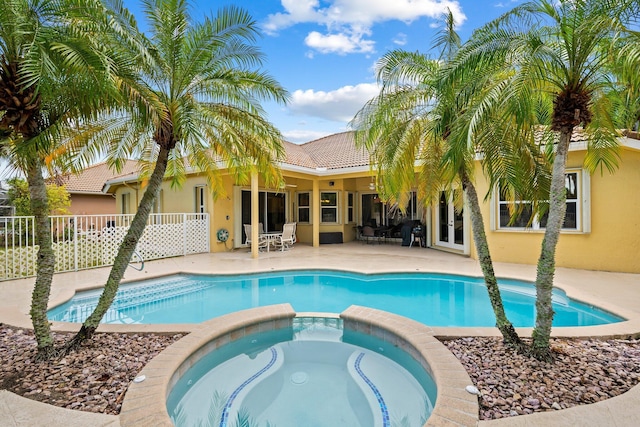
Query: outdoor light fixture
{"points": [[372, 185]]}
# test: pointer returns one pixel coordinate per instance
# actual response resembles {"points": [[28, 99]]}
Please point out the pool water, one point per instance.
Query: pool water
{"points": [[432, 299], [313, 374]]}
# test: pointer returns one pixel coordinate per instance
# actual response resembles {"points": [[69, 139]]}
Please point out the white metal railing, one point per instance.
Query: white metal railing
{"points": [[89, 241]]}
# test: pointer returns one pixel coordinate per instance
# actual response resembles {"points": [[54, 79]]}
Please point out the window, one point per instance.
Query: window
{"points": [[201, 206], [272, 209], [157, 204], [304, 207], [125, 200], [350, 211], [572, 219], [329, 206], [397, 216]]}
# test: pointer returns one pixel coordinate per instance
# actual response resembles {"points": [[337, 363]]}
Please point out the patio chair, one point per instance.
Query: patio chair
{"points": [[247, 232], [369, 234], [288, 236], [263, 242], [295, 227]]}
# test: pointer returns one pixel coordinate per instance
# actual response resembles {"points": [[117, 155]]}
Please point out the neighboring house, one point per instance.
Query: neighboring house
{"points": [[85, 189], [330, 191]]}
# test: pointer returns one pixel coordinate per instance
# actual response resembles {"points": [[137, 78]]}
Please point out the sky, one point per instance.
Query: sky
{"points": [[323, 52]]}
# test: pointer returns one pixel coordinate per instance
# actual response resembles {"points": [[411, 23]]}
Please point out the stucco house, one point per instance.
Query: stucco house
{"points": [[85, 188], [330, 192]]}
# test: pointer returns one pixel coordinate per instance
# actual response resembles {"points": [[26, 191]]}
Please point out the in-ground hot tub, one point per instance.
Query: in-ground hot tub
{"points": [[253, 365], [313, 373]]}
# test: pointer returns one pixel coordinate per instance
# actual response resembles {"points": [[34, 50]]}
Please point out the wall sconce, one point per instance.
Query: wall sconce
{"points": [[372, 185], [331, 183]]}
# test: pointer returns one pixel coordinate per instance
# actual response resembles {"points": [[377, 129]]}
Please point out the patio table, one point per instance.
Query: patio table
{"points": [[272, 237]]}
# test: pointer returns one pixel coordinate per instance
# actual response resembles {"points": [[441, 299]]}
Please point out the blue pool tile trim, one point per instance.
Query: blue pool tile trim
{"points": [[224, 418], [383, 406]]}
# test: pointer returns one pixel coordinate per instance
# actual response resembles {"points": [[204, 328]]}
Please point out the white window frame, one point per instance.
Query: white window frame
{"points": [[306, 208], [350, 202], [157, 204], [329, 208], [581, 202], [200, 199], [125, 201]]}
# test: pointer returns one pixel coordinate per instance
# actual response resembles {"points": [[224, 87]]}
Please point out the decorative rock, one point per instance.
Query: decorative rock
{"points": [[582, 372], [95, 377], [89, 379]]}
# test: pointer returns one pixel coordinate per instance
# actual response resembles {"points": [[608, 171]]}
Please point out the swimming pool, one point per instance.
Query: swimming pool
{"points": [[432, 299], [292, 376]]}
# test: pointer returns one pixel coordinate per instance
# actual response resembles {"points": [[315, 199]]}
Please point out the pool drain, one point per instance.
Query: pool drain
{"points": [[299, 378]]}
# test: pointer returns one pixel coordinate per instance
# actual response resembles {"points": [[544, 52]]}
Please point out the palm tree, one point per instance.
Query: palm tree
{"points": [[626, 92], [417, 117], [561, 51], [196, 102], [53, 71]]}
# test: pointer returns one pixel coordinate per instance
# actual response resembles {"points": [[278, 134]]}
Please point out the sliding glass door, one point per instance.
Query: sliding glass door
{"points": [[272, 209]]}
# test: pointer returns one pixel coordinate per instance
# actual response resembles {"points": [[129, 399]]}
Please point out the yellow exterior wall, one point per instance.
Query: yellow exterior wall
{"points": [[183, 200], [613, 244], [341, 185]]}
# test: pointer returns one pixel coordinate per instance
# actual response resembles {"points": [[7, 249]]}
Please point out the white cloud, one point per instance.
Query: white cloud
{"points": [[299, 136], [400, 39], [296, 11], [339, 105], [503, 5], [338, 43], [349, 21], [360, 12]]}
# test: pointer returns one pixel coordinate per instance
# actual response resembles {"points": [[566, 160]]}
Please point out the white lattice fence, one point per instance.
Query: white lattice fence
{"points": [[19, 262], [194, 243], [88, 241], [162, 240], [18, 250]]}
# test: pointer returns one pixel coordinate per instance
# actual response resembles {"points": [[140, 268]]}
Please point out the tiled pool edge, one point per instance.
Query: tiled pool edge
{"points": [[454, 405], [145, 402]]}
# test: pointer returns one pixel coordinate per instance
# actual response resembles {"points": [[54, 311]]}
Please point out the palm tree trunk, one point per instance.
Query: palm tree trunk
{"points": [[45, 262], [503, 324], [125, 251], [540, 348]]}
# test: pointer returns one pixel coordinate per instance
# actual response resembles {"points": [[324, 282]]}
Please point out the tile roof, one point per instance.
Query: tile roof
{"points": [[578, 135], [335, 151], [332, 152], [92, 179], [297, 156]]}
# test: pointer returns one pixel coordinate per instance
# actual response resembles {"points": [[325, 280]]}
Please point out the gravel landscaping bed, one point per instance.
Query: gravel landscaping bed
{"points": [[95, 378], [584, 371]]}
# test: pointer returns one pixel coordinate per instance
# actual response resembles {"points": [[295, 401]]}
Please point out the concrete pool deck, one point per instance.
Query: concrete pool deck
{"points": [[616, 292]]}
